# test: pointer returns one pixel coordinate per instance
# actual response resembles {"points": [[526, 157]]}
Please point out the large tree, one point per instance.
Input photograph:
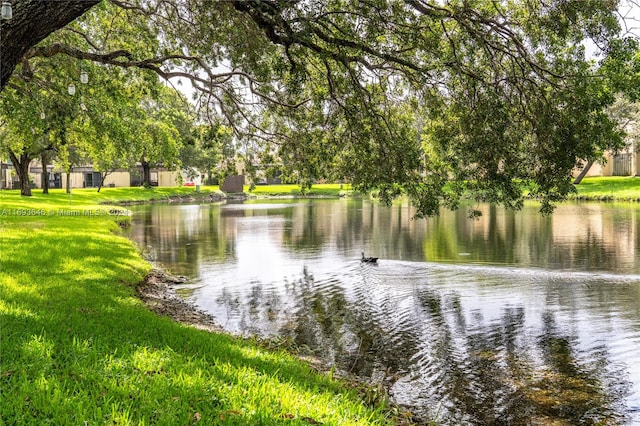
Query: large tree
{"points": [[37, 116], [503, 89], [112, 121], [33, 21]]}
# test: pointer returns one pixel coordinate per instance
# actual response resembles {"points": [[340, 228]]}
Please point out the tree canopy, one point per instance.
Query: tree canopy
{"points": [[436, 99], [114, 120]]}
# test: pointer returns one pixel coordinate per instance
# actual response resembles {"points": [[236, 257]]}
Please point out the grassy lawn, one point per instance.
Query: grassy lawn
{"points": [[619, 188], [90, 197], [78, 348], [322, 190]]}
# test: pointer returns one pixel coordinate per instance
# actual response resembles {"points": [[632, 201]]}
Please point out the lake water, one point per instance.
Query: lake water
{"points": [[514, 318]]}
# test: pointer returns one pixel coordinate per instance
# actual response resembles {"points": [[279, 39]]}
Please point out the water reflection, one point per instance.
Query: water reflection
{"points": [[513, 319]]}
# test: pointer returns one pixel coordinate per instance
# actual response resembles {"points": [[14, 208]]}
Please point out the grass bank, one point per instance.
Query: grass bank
{"points": [[613, 188], [318, 190], [89, 196], [78, 348]]}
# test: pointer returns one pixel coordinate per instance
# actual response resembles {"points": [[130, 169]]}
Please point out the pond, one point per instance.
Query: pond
{"points": [[514, 318]]}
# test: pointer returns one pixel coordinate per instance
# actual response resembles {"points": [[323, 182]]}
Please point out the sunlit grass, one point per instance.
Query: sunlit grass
{"points": [[617, 187], [614, 188], [77, 347], [86, 200], [325, 190], [58, 198]]}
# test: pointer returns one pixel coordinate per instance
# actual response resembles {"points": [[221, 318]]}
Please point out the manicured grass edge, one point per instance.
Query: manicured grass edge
{"points": [[607, 189]]}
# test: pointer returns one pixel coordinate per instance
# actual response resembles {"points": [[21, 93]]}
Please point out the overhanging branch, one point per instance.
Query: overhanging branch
{"points": [[125, 59]]}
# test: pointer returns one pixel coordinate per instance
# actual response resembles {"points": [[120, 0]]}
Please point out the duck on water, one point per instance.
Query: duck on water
{"points": [[368, 259]]}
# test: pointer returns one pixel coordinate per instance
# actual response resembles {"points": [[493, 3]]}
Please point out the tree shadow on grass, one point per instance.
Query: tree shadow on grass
{"points": [[78, 346]]}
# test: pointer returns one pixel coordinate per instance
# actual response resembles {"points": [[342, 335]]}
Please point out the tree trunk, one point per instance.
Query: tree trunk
{"points": [[21, 166], [32, 21], [146, 174], [44, 159], [103, 176], [69, 180], [583, 173]]}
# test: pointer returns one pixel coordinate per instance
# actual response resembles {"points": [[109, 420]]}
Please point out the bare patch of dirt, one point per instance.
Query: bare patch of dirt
{"points": [[158, 293]]}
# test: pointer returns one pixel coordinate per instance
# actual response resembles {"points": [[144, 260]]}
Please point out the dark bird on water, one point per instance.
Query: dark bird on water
{"points": [[368, 259]]}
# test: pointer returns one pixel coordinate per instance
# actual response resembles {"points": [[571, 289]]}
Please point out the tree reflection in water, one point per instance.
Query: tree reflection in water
{"points": [[503, 335], [462, 371]]}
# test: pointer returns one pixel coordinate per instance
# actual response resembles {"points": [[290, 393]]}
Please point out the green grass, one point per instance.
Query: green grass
{"points": [[77, 347], [614, 188], [318, 190], [90, 196]]}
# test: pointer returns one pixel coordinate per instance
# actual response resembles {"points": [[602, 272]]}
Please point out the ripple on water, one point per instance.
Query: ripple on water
{"points": [[507, 350], [468, 344]]}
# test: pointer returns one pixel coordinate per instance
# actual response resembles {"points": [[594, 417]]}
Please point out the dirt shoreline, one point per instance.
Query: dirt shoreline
{"points": [[212, 197], [184, 198], [158, 294]]}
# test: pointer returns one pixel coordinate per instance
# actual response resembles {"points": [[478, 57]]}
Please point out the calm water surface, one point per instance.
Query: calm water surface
{"points": [[511, 319]]}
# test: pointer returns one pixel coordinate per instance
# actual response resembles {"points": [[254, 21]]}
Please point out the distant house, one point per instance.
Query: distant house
{"points": [[80, 177], [626, 163], [86, 177], [6, 170]]}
